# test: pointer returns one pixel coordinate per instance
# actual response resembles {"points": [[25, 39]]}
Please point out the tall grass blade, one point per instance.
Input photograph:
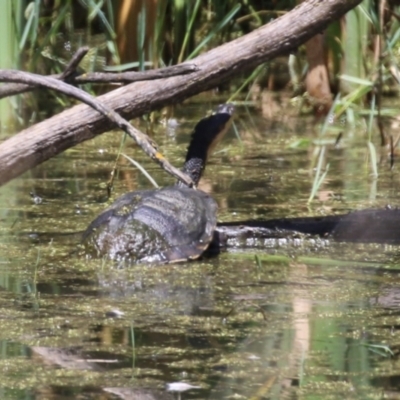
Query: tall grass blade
{"points": [[158, 42], [374, 162], [189, 30], [10, 23], [394, 40], [112, 42], [110, 12], [371, 117], [114, 168], [141, 36], [108, 23], [97, 12], [356, 80], [369, 17], [371, 147], [51, 33], [215, 30], [355, 44], [30, 10], [330, 116], [294, 73], [319, 175], [132, 331], [35, 22], [251, 78], [179, 25], [237, 134], [141, 169], [352, 98]]}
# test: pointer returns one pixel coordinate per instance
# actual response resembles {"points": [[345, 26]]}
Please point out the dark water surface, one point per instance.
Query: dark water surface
{"points": [[308, 320]]}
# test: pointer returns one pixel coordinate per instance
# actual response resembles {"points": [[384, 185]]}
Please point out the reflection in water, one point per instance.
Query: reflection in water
{"points": [[304, 321]]}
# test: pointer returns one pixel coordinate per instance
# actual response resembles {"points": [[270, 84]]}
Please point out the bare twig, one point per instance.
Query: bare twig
{"points": [[11, 89], [147, 144], [73, 64]]}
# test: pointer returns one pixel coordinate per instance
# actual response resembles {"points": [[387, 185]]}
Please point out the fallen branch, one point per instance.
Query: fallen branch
{"points": [[147, 144], [48, 138], [70, 75]]}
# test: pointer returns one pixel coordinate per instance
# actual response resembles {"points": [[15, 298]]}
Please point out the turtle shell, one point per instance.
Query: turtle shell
{"points": [[164, 225]]}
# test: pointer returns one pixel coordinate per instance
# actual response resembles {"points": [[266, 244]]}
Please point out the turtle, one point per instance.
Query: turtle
{"points": [[171, 224]]}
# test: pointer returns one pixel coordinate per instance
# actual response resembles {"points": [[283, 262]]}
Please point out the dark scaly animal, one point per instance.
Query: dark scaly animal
{"points": [[166, 225]]}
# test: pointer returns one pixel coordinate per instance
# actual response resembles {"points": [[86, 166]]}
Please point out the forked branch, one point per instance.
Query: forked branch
{"points": [[147, 144]]}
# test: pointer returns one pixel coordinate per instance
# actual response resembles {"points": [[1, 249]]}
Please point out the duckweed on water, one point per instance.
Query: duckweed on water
{"points": [[303, 320]]}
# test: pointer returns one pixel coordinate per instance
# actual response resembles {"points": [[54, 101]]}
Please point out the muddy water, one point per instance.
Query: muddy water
{"points": [[302, 320]]}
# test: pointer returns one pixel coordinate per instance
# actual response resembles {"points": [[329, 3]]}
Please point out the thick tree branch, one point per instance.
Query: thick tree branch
{"points": [[43, 140]]}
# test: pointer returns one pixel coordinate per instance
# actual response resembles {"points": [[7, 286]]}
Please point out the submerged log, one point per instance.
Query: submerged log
{"points": [[49, 138], [365, 226]]}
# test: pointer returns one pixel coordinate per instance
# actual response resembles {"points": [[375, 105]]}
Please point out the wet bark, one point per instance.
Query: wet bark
{"points": [[49, 138]]}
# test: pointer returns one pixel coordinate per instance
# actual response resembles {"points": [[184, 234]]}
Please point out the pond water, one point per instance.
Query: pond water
{"points": [[314, 320]]}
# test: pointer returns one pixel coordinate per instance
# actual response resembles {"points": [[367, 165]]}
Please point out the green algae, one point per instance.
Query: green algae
{"points": [[303, 321]]}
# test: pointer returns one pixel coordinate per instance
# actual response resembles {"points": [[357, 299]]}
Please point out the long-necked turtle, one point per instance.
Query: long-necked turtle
{"points": [[172, 224]]}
